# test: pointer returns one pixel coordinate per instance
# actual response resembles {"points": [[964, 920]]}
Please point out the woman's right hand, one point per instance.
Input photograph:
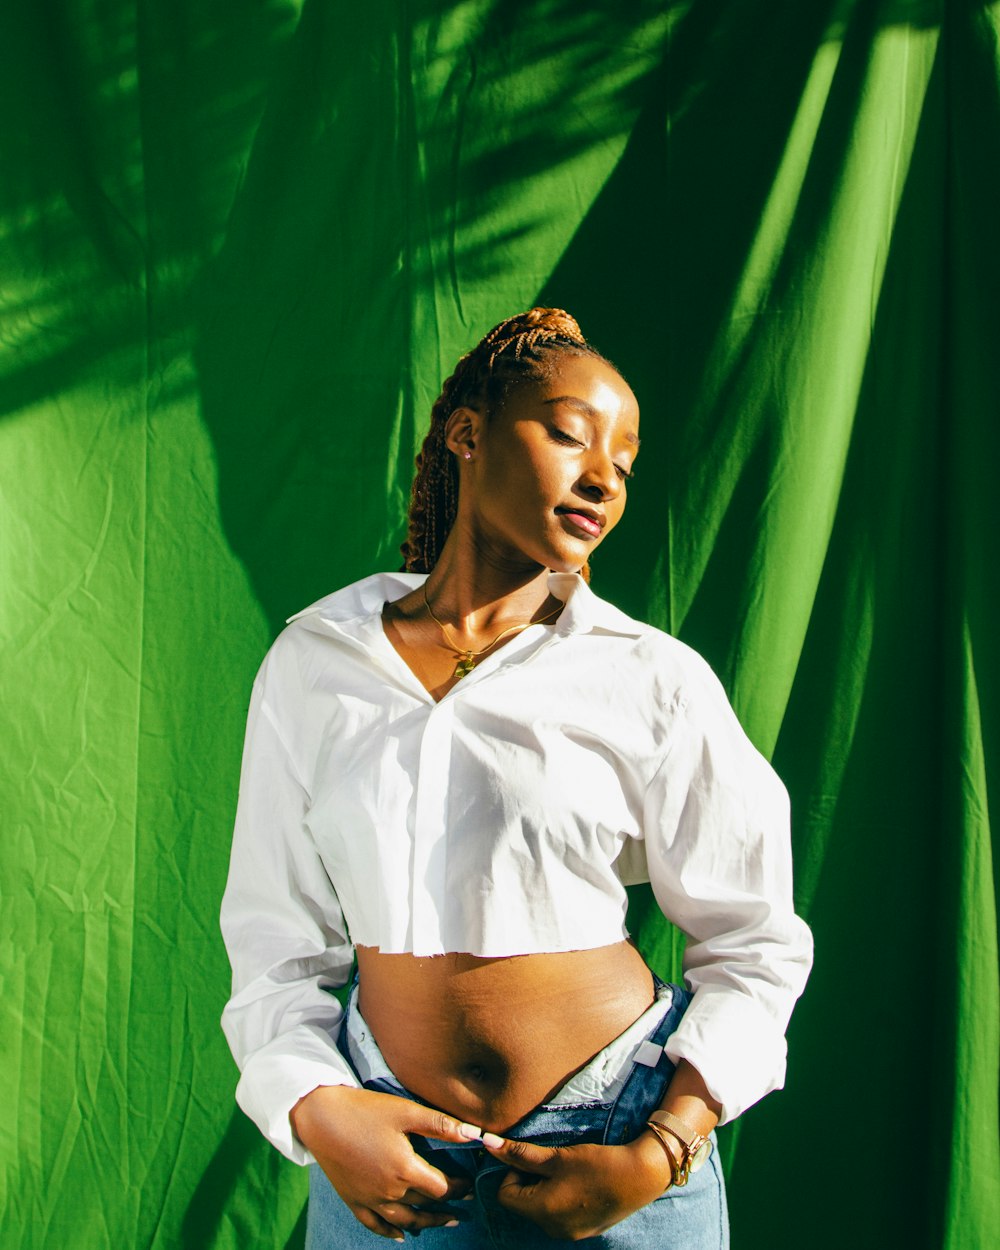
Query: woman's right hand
{"points": [[360, 1140]]}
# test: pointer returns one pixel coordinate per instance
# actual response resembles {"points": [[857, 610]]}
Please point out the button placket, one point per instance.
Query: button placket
{"points": [[430, 830]]}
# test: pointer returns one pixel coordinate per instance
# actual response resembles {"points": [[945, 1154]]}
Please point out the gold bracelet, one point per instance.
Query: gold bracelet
{"points": [[675, 1167], [684, 1167], [695, 1146]]}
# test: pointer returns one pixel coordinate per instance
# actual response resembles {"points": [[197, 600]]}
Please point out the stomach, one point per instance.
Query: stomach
{"points": [[489, 1039]]}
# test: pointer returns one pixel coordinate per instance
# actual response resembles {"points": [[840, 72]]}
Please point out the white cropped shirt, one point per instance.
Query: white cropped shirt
{"points": [[505, 819]]}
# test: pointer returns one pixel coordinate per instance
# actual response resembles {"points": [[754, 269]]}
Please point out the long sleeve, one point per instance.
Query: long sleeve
{"points": [[719, 860], [286, 937], [504, 819]]}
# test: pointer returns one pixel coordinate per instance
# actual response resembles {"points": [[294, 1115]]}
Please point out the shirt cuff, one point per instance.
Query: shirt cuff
{"points": [[279, 1074], [736, 1047]]}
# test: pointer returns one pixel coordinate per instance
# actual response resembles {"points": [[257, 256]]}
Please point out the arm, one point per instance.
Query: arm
{"points": [[287, 940], [718, 854]]}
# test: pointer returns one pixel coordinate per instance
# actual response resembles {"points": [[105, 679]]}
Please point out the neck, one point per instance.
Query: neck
{"points": [[476, 594]]}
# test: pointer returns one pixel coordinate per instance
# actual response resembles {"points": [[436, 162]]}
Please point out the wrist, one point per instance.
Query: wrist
{"points": [[303, 1114], [654, 1161], [687, 1149]]}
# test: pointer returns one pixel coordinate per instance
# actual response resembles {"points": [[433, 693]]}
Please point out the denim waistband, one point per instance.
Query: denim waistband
{"points": [[613, 1110], [692, 1216], [600, 1080]]}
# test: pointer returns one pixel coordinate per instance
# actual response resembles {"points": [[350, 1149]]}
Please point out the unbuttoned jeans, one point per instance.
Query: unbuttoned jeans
{"points": [[689, 1217]]}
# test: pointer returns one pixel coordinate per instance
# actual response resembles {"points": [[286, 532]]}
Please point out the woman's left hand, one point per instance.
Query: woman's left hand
{"points": [[573, 1192]]}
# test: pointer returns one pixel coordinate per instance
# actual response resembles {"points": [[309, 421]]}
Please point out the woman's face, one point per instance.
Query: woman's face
{"points": [[546, 478]]}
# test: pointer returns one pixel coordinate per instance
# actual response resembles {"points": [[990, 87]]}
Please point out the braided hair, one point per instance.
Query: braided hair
{"points": [[522, 348]]}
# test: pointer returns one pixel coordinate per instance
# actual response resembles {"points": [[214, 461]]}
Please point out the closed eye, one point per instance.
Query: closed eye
{"points": [[561, 436]]}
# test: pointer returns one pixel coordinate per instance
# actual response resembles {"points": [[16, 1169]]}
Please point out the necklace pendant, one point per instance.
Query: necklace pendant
{"points": [[464, 666]]}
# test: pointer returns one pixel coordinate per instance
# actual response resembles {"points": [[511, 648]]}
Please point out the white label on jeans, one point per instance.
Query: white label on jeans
{"points": [[648, 1054]]}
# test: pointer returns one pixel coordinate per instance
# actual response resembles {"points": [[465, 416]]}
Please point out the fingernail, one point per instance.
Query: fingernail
{"points": [[451, 1224], [470, 1131], [491, 1140], [468, 1197]]}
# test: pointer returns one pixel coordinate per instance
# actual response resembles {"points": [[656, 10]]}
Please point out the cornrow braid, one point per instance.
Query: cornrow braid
{"points": [[512, 352]]}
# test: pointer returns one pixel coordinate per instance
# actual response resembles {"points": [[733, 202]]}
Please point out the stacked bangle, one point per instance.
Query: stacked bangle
{"points": [[695, 1148], [675, 1167]]}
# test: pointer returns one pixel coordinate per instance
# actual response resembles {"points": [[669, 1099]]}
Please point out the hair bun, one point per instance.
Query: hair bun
{"points": [[538, 323], [520, 333], [555, 321]]}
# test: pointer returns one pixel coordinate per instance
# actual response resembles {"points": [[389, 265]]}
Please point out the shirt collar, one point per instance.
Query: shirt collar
{"points": [[361, 599], [584, 612]]}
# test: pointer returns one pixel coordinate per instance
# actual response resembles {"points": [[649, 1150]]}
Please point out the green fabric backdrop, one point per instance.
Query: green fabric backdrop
{"points": [[242, 242]]}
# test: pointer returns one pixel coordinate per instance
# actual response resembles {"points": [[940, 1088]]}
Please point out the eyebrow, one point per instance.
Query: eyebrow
{"points": [[588, 410]]}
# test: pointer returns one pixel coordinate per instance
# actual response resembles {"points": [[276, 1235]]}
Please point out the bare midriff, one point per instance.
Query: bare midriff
{"points": [[489, 1039]]}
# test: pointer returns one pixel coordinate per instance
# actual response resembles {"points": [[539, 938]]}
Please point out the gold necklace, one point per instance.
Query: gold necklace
{"points": [[466, 656]]}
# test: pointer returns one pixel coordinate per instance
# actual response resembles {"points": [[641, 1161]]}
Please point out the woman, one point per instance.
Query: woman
{"points": [[453, 772]]}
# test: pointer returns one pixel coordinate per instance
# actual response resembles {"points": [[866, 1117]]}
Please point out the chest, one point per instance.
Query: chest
{"points": [[521, 752]]}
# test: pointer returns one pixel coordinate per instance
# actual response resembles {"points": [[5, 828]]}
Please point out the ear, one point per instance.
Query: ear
{"points": [[462, 430]]}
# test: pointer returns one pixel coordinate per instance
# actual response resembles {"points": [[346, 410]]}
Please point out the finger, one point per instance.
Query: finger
{"points": [[413, 1219], [425, 1181], [526, 1156], [375, 1224], [429, 1122], [517, 1186], [523, 1194], [458, 1187]]}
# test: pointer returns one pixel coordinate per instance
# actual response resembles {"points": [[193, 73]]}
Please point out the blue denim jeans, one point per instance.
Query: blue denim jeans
{"points": [[692, 1217]]}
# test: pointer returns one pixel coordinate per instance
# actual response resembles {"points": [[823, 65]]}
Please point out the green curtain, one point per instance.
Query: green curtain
{"points": [[242, 244]]}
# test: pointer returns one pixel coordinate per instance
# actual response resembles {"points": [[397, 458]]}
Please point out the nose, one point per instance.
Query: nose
{"points": [[600, 479]]}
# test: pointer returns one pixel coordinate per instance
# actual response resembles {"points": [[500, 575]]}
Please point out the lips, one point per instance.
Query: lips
{"points": [[586, 520]]}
